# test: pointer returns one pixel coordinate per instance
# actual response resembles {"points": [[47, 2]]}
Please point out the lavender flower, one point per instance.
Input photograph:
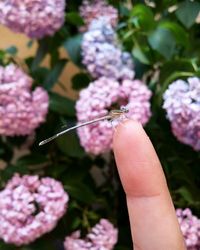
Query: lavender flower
{"points": [[21, 110], [102, 236], [36, 19], [182, 103], [190, 227], [101, 96], [30, 207], [96, 9], [102, 54]]}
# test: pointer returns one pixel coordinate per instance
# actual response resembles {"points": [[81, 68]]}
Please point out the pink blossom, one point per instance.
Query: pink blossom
{"points": [[34, 18], [182, 103], [103, 236], [30, 207], [103, 95], [21, 110], [102, 54], [190, 227], [96, 9]]}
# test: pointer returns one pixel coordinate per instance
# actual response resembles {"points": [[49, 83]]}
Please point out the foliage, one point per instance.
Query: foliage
{"points": [[164, 41]]}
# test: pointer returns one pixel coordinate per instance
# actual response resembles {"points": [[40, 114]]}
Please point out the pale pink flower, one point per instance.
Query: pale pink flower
{"points": [[35, 18], [96, 9], [30, 207], [182, 103], [102, 54], [103, 95], [103, 236], [190, 228], [21, 109]]}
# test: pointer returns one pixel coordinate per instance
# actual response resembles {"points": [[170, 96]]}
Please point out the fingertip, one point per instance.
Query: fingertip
{"points": [[137, 162], [148, 199], [127, 129]]}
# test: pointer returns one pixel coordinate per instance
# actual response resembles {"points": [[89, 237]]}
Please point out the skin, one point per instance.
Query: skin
{"points": [[153, 220]]}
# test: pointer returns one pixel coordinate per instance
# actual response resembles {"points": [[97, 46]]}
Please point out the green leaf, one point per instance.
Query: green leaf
{"points": [[73, 48], [46, 242], [123, 10], [180, 35], [12, 50], [77, 173], [54, 74], [40, 54], [76, 223], [10, 170], [57, 171], [185, 193], [167, 38], [69, 145], [169, 68], [31, 159], [30, 43], [163, 42], [122, 248], [80, 80], [187, 12], [80, 192], [2, 55], [6, 152], [142, 17], [139, 53], [5, 246], [40, 74], [61, 104], [55, 56], [26, 248], [74, 18]]}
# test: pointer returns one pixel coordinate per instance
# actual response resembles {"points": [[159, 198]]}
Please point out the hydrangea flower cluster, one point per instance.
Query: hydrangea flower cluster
{"points": [[36, 19], [190, 227], [102, 54], [30, 207], [182, 103], [98, 8], [21, 110], [103, 236], [103, 95]]}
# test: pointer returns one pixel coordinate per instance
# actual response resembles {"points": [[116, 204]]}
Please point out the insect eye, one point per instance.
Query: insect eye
{"points": [[124, 109]]}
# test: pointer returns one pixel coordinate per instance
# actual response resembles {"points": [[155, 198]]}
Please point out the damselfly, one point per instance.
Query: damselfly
{"points": [[112, 115]]}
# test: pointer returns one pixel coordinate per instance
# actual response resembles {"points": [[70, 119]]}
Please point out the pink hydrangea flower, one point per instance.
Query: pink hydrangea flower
{"points": [[103, 236], [182, 103], [21, 110], [30, 207], [96, 9], [190, 227], [102, 54], [103, 95], [34, 18]]}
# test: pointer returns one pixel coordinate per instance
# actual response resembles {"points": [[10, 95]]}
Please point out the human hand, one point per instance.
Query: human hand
{"points": [[153, 220]]}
